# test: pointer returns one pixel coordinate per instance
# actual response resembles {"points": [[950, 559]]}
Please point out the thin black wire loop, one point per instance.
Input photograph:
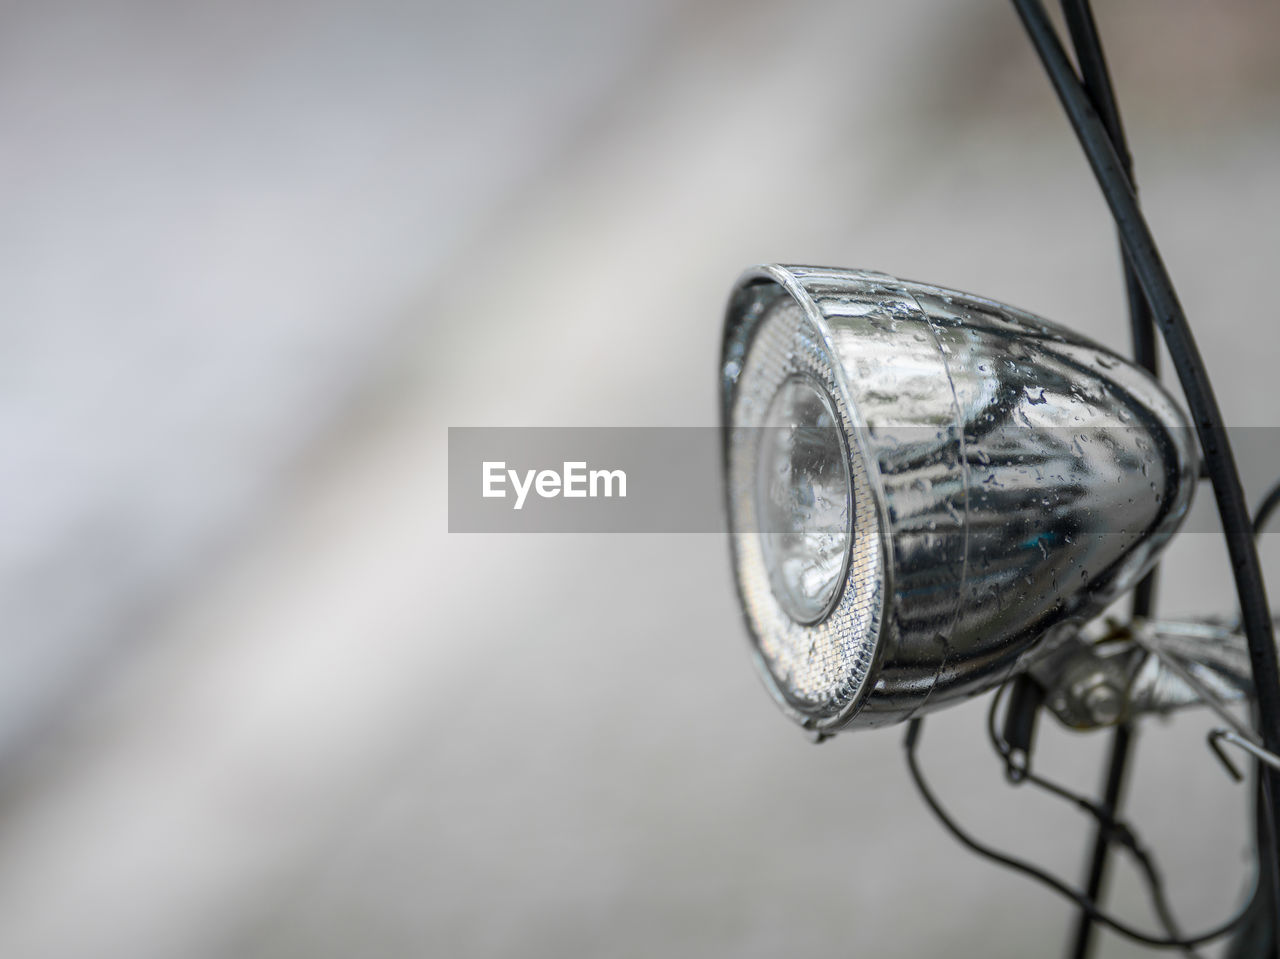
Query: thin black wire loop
{"points": [[1265, 509], [910, 743], [1145, 259], [1110, 828]]}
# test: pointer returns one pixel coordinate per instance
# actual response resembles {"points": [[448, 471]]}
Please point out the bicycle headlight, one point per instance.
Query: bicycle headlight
{"points": [[923, 484]]}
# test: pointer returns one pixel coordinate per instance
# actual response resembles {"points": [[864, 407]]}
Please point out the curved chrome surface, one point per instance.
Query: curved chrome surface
{"points": [[1023, 475], [1146, 667], [1189, 663]]}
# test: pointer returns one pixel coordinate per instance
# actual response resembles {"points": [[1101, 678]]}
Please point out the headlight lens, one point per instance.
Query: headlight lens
{"points": [[803, 498]]}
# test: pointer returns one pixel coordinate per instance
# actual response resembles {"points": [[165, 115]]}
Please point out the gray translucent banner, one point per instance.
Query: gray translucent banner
{"points": [[669, 479], [671, 485]]}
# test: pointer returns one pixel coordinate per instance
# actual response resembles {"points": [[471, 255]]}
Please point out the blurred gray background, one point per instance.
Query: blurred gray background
{"points": [[255, 701]]}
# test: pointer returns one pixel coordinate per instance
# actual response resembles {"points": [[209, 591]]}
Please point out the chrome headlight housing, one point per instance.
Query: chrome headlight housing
{"points": [[922, 485]]}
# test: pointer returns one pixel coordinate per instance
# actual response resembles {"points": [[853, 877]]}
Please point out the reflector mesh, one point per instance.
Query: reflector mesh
{"points": [[819, 668]]}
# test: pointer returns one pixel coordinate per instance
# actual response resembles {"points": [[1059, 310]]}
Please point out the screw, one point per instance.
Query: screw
{"points": [[1102, 702]]}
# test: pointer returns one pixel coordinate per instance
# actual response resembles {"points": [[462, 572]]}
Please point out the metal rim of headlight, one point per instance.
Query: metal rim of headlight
{"points": [[796, 341]]}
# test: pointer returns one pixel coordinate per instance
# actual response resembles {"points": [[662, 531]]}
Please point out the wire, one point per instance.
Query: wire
{"points": [[1110, 829], [1265, 509], [1172, 321], [911, 741], [1097, 84]]}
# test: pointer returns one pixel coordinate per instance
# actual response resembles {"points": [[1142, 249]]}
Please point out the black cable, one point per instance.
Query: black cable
{"points": [[1168, 313], [910, 743], [1097, 84], [1256, 936], [1110, 829], [1142, 254], [1265, 509], [1116, 831]]}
